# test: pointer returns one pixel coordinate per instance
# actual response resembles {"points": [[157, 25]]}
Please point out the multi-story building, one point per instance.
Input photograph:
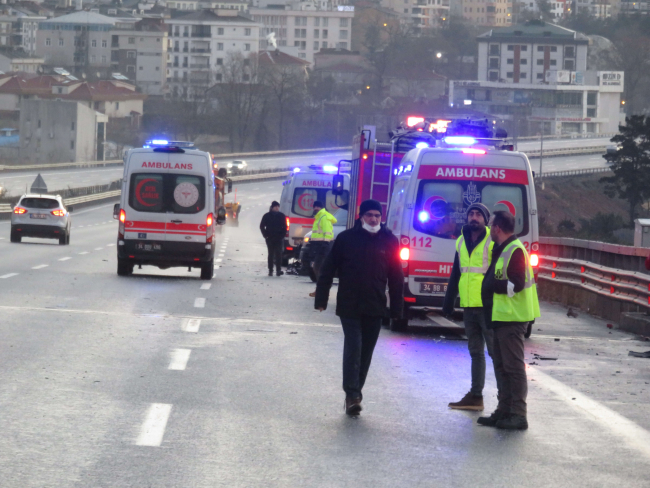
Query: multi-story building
{"points": [[497, 13], [240, 5], [298, 25], [200, 43], [421, 14], [533, 78], [557, 8], [18, 60], [19, 32], [139, 52], [601, 9], [629, 7], [523, 53]]}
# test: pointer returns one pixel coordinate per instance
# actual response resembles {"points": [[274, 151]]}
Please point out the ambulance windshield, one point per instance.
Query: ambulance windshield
{"points": [[304, 198], [177, 193], [441, 208]]}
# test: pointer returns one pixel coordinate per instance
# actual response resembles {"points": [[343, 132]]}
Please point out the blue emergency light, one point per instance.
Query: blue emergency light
{"points": [[330, 168], [423, 216], [460, 140], [296, 170], [159, 142], [421, 145]]}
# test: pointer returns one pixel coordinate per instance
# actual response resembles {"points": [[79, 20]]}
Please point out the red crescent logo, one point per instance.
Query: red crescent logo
{"points": [[139, 188], [306, 202], [511, 207], [201, 227]]}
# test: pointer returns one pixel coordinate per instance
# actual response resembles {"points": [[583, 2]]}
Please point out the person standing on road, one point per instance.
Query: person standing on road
{"points": [[473, 256], [509, 296], [366, 259], [322, 234], [274, 230]]}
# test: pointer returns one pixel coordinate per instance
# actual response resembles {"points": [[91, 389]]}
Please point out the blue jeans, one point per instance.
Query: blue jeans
{"points": [[360, 340], [478, 336]]}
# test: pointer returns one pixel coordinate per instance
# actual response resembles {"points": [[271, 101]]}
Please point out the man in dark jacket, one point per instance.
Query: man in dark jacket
{"points": [[274, 230], [366, 258]]}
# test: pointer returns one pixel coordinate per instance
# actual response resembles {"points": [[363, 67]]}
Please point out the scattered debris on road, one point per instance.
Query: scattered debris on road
{"points": [[635, 354]]}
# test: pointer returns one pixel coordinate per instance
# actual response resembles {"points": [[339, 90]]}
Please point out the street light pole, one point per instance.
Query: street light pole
{"points": [[541, 150]]}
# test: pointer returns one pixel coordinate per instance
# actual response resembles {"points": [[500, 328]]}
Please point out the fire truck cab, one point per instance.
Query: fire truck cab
{"points": [[300, 191]]}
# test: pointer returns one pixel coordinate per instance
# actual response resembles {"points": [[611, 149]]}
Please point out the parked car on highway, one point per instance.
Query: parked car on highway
{"points": [[41, 216], [238, 165]]}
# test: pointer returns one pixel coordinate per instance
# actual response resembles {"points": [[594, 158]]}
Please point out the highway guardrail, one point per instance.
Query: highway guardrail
{"points": [[572, 172]]}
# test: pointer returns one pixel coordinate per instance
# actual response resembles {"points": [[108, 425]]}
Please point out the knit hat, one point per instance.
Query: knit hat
{"points": [[481, 208], [319, 204], [275, 204], [369, 205]]}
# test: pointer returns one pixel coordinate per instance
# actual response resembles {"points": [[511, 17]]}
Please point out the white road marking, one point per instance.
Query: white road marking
{"points": [[216, 267], [192, 325], [9, 275], [218, 260], [206, 286], [40, 266], [85, 252], [98, 248], [65, 259], [221, 255], [109, 245], [180, 357], [199, 302], [153, 428], [79, 226], [630, 432]]}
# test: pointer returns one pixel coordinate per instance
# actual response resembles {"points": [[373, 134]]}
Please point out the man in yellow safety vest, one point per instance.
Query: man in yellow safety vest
{"points": [[322, 235], [509, 296], [473, 252]]}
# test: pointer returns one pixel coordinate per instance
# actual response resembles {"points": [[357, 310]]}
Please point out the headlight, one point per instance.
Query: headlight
{"points": [[230, 165], [306, 239]]}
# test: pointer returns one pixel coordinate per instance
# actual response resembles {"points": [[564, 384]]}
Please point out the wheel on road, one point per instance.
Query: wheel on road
{"points": [[207, 270], [529, 329], [63, 239], [124, 268], [15, 236]]}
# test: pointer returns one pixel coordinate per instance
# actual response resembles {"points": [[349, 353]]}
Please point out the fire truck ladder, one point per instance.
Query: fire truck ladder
{"points": [[373, 181]]}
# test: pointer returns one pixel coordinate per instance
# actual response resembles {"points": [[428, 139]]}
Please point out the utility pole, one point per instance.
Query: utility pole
{"points": [[541, 149]]}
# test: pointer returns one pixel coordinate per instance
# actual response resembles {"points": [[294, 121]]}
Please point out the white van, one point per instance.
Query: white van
{"points": [[428, 207], [167, 211], [299, 193]]}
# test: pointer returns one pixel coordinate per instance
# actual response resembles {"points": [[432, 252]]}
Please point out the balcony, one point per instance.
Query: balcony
{"points": [[202, 35], [201, 50], [201, 66]]}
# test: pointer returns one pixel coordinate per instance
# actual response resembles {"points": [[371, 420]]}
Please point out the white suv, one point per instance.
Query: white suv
{"points": [[41, 216]]}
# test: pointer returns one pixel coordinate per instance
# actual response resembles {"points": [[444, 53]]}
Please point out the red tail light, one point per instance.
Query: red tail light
{"points": [[534, 260], [405, 253], [288, 223], [120, 231], [19, 210], [58, 213], [209, 232]]}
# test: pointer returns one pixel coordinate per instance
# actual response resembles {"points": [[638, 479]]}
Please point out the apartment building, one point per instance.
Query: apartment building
{"points": [[497, 13], [558, 8], [421, 14], [12, 60], [240, 5], [309, 31], [199, 45]]}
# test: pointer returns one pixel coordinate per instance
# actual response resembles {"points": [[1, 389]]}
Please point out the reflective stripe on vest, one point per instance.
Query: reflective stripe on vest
{"points": [[317, 231], [524, 305], [472, 268]]}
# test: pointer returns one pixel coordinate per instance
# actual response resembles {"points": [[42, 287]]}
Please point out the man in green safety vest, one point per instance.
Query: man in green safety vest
{"points": [[510, 300], [473, 256], [322, 235]]}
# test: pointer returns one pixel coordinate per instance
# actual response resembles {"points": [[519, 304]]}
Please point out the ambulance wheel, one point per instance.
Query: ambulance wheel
{"points": [[207, 270], [124, 268], [529, 329]]}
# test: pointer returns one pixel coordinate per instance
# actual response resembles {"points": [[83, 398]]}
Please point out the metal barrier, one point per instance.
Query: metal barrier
{"points": [[92, 198], [286, 151], [628, 286], [551, 153], [27, 167], [572, 172]]}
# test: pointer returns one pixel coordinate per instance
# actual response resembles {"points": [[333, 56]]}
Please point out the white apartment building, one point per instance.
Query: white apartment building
{"points": [[496, 13], [199, 44], [307, 30], [240, 5], [557, 7], [523, 53], [421, 14]]}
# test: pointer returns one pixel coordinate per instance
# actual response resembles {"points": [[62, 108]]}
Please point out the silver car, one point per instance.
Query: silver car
{"points": [[41, 216], [237, 165]]}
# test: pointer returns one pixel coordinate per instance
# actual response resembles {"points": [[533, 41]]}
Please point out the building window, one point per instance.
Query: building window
{"points": [[247, 47], [540, 76], [104, 43], [60, 42], [511, 47], [131, 40], [343, 23], [325, 21], [324, 33], [591, 98], [569, 64], [523, 61], [591, 112], [71, 145], [569, 51], [493, 76], [540, 49], [130, 54], [93, 58], [343, 34], [247, 31], [524, 48], [48, 41], [220, 46], [316, 34], [93, 43], [316, 46], [220, 31], [130, 69], [343, 45], [540, 62], [103, 59], [553, 49], [522, 75], [494, 63], [510, 61], [324, 45], [72, 126], [494, 49], [117, 105], [316, 21], [140, 68], [219, 77], [509, 74], [219, 61], [302, 55], [39, 123], [553, 62]]}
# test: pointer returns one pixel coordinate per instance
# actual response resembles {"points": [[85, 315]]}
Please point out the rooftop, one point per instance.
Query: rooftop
{"points": [[81, 18], [211, 16], [535, 29], [277, 57]]}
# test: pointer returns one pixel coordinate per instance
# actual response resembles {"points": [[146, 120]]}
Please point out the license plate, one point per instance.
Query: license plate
{"points": [[433, 288], [37, 216], [143, 246]]}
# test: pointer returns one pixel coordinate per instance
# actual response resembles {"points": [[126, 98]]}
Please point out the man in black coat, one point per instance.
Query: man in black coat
{"points": [[366, 258], [274, 230]]}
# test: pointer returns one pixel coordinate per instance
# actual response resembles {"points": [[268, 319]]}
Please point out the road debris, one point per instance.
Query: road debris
{"points": [[635, 354]]}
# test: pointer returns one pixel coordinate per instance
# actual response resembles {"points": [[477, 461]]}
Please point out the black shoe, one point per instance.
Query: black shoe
{"points": [[513, 422], [270, 272], [279, 273], [492, 420], [353, 406]]}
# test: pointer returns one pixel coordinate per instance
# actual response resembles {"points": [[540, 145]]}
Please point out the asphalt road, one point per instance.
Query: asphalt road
{"points": [[163, 380]]}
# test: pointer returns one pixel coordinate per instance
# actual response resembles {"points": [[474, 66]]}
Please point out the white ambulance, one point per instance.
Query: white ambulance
{"points": [[428, 207], [300, 191], [167, 211]]}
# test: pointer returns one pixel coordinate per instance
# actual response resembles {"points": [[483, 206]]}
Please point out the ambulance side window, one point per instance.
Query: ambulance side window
{"points": [[303, 201], [146, 192], [396, 209], [507, 197], [334, 203]]}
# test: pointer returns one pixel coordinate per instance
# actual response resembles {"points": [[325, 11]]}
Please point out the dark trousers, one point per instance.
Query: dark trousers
{"points": [[360, 340], [510, 366], [478, 337], [275, 246], [319, 251]]}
